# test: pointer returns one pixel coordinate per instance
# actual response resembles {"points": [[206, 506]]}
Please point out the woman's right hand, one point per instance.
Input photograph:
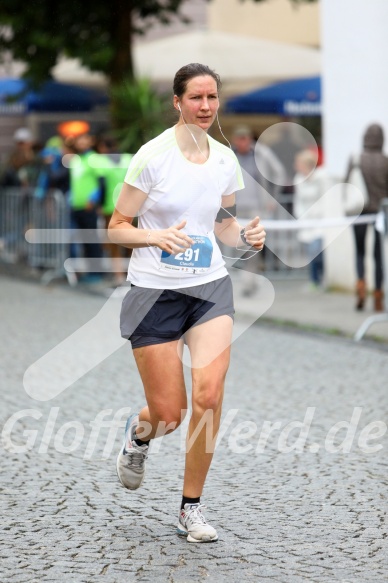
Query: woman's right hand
{"points": [[172, 240]]}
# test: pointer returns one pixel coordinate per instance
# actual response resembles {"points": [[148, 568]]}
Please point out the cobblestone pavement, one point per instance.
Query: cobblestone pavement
{"points": [[315, 515]]}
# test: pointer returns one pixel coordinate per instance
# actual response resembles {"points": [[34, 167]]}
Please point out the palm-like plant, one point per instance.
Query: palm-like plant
{"points": [[138, 112]]}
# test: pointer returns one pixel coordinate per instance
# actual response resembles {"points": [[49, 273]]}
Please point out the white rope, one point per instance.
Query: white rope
{"points": [[296, 224], [94, 235]]}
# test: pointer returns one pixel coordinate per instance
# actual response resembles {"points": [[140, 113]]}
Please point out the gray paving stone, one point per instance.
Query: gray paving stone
{"points": [[282, 517]]}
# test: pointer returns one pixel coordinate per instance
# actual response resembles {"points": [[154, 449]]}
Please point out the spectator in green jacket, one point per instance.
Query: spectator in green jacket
{"points": [[114, 166], [86, 192]]}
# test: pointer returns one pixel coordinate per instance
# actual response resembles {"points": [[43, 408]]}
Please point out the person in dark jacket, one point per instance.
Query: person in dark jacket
{"points": [[374, 167]]}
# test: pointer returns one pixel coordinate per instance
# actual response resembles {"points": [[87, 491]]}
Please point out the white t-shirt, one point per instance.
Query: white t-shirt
{"points": [[179, 190]]}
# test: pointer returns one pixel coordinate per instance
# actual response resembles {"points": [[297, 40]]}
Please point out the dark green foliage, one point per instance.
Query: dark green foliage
{"points": [[98, 33], [139, 113]]}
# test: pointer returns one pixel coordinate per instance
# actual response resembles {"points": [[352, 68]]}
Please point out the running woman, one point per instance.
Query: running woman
{"points": [[181, 185]]}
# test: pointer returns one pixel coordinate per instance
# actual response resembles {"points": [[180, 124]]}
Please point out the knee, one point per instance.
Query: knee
{"points": [[208, 399], [167, 420]]}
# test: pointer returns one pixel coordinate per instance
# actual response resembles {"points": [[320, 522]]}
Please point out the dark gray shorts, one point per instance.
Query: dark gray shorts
{"points": [[153, 316]]}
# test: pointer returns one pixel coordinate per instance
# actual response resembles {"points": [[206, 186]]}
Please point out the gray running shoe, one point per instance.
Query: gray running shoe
{"points": [[192, 524], [131, 459]]}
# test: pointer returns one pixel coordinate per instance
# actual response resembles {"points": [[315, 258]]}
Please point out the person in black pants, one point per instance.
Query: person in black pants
{"points": [[360, 232], [374, 168]]}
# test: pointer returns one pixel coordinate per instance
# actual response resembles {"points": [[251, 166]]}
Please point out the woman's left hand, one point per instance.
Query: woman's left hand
{"points": [[255, 234]]}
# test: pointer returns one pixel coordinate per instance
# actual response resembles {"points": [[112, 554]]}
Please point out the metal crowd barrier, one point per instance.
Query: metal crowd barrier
{"points": [[285, 243], [20, 211], [283, 246], [384, 247], [15, 215]]}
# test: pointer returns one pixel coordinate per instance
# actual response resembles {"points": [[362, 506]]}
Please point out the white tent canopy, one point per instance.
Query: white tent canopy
{"points": [[243, 62], [236, 58]]}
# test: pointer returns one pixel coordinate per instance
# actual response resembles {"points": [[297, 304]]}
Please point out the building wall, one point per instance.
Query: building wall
{"points": [[277, 20], [354, 68], [355, 45], [194, 10]]}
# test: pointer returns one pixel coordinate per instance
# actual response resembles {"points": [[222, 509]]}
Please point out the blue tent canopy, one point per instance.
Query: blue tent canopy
{"points": [[299, 97], [17, 97]]}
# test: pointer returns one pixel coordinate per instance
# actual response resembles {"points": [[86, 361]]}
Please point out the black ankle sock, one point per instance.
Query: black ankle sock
{"points": [[140, 441], [186, 500]]}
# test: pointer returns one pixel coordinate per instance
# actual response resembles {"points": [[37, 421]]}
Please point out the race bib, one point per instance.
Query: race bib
{"points": [[195, 259]]}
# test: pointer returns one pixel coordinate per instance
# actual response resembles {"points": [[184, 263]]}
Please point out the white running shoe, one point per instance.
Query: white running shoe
{"points": [[193, 525], [132, 457]]}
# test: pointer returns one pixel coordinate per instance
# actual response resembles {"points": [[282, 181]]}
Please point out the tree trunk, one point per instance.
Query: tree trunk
{"points": [[122, 62]]}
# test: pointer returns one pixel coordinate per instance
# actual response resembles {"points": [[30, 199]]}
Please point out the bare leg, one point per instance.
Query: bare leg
{"points": [[161, 371], [209, 345]]}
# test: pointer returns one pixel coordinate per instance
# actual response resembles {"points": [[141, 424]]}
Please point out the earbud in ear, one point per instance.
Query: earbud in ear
{"points": [[179, 107]]}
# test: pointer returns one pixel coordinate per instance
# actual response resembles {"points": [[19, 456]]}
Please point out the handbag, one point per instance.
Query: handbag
{"points": [[356, 192]]}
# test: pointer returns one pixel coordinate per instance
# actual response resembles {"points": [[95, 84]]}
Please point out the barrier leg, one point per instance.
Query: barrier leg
{"points": [[368, 323], [52, 274], [378, 318]]}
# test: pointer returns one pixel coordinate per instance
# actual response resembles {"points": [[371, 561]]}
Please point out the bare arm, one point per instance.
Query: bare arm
{"points": [[228, 231], [122, 232], [121, 229]]}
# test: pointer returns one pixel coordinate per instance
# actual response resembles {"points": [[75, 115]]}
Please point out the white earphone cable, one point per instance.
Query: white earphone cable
{"points": [[253, 253], [192, 135]]}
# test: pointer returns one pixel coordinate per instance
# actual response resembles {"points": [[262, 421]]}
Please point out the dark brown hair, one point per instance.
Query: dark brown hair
{"points": [[183, 76]]}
